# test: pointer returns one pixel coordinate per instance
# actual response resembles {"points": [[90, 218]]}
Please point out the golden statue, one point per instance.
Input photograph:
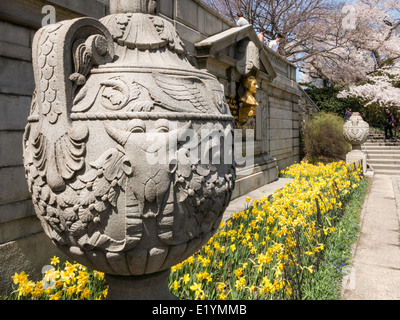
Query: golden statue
{"points": [[249, 103]]}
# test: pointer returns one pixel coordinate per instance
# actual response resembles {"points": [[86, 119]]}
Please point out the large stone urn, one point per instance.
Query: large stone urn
{"points": [[128, 149], [356, 132]]}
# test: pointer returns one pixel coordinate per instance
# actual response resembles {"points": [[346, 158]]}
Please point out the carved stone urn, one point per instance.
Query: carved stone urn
{"points": [[128, 147], [356, 132]]}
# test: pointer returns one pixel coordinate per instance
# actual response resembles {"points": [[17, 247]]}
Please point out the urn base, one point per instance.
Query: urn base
{"points": [[147, 287], [356, 155]]}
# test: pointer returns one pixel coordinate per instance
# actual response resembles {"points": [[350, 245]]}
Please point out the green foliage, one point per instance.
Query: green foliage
{"points": [[323, 139], [327, 100]]}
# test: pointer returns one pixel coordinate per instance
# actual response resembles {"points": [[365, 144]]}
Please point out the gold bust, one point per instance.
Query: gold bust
{"points": [[249, 103], [251, 86]]}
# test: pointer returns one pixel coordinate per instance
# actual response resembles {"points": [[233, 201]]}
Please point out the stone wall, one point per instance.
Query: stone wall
{"points": [[193, 20], [23, 245], [284, 124]]}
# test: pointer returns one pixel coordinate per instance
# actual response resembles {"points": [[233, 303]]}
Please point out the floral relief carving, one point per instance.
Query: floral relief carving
{"points": [[117, 93]]}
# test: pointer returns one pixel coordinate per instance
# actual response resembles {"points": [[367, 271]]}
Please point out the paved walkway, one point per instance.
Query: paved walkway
{"points": [[376, 257], [239, 204]]}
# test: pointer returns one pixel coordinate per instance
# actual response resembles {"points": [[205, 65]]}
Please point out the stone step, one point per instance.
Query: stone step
{"points": [[384, 167], [387, 172], [386, 156], [380, 151], [377, 139], [380, 161], [383, 156], [372, 149], [381, 144]]}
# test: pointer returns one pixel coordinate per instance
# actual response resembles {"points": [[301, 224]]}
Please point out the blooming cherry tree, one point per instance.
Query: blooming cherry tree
{"points": [[363, 58], [381, 88]]}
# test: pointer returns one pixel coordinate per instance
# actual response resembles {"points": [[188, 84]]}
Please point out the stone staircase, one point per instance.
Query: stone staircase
{"points": [[383, 157]]}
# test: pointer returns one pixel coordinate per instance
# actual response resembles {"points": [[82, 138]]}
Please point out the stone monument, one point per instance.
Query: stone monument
{"points": [[356, 132], [122, 177]]}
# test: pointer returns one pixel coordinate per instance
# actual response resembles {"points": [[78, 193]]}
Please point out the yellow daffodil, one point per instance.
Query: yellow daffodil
{"points": [[222, 296], [220, 286], [238, 272], [86, 293], [186, 278], [56, 296], [195, 287], [175, 285], [55, 260]]}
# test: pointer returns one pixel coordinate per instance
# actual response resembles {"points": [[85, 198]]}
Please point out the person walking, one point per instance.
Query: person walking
{"points": [[389, 124], [274, 44], [241, 20]]}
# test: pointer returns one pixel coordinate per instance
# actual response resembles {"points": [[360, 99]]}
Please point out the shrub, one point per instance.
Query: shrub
{"points": [[324, 140]]}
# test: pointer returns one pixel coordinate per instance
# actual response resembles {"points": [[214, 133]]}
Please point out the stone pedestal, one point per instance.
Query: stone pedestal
{"points": [[146, 287], [356, 155]]}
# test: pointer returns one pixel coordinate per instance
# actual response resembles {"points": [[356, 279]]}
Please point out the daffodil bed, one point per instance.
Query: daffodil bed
{"points": [[272, 250], [61, 282]]}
